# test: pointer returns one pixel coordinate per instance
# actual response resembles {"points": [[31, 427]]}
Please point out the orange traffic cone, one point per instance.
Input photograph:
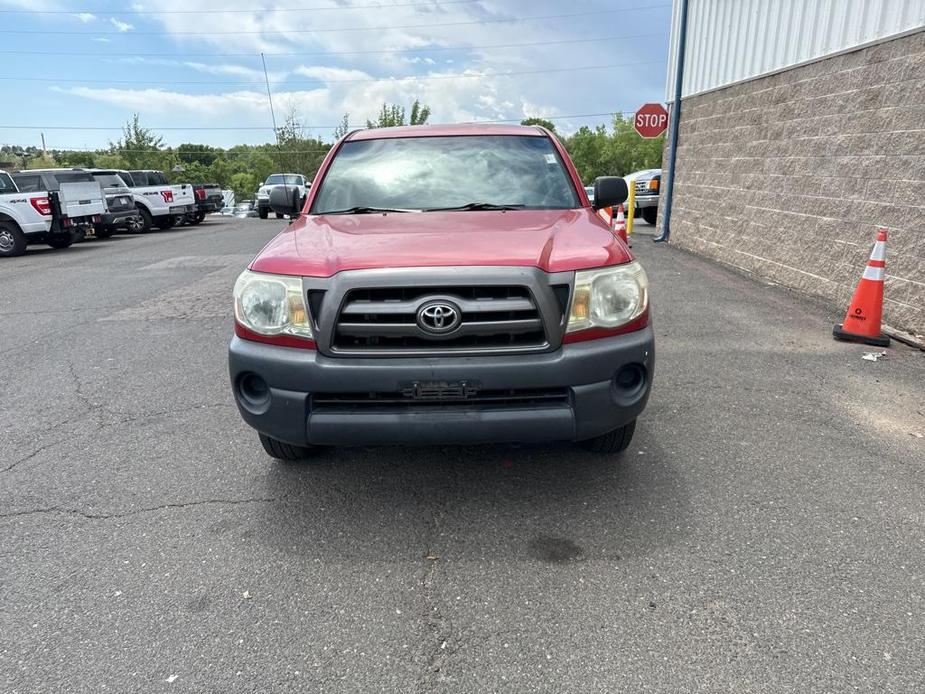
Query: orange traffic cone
{"points": [[619, 224], [862, 322]]}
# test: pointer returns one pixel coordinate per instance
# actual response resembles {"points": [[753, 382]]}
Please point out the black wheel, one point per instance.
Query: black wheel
{"points": [[614, 441], [197, 218], [166, 223], [263, 212], [60, 241], [147, 223], [102, 233], [12, 240], [650, 214], [284, 451], [279, 216]]}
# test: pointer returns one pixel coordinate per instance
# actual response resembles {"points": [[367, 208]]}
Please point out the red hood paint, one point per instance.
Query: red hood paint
{"points": [[552, 240]]}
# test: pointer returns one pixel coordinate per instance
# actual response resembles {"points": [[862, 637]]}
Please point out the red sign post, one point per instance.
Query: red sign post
{"points": [[650, 120]]}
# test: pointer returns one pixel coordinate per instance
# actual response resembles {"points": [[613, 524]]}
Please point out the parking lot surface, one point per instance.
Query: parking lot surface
{"points": [[765, 532]]}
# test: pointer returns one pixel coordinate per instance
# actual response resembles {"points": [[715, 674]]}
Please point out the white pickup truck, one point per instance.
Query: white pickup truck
{"points": [[296, 182], [160, 204], [42, 216]]}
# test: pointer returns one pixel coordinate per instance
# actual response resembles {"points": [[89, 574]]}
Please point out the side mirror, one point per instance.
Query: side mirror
{"points": [[608, 191], [285, 200]]}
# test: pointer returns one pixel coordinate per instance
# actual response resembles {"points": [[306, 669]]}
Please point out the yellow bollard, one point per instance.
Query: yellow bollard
{"points": [[631, 208]]}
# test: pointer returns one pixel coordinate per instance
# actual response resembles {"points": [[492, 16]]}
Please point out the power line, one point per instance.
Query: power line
{"points": [[407, 78], [220, 10], [267, 128], [423, 49], [335, 29]]}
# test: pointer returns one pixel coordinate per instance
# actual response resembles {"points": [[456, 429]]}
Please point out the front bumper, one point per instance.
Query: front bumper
{"points": [[643, 201], [263, 201], [585, 370]]}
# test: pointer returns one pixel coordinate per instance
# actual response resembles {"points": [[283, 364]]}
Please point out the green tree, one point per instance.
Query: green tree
{"points": [[597, 152], [391, 115], [188, 153], [542, 122], [139, 147]]}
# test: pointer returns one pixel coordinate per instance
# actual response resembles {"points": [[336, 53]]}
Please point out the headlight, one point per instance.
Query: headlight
{"points": [[271, 304], [608, 297]]}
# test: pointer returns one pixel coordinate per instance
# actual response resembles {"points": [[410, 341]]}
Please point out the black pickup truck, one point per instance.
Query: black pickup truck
{"points": [[208, 199]]}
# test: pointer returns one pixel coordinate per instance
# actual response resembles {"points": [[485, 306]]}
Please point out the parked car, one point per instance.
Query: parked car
{"points": [[208, 199], [121, 213], [295, 183], [38, 215], [647, 184], [161, 205], [473, 298], [589, 191]]}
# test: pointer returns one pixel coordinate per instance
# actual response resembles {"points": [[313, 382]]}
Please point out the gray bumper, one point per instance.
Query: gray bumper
{"points": [[593, 407], [121, 219], [643, 201]]}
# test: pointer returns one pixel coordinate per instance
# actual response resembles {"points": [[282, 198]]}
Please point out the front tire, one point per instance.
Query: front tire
{"points": [[615, 441], [263, 212], [284, 451], [12, 240], [650, 214]]}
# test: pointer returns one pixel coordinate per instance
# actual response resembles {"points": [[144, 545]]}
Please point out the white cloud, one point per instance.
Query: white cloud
{"points": [[99, 39], [85, 17], [121, 26]]}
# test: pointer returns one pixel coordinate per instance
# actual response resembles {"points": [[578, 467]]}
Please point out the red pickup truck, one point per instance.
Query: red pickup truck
{"points": [[443, 284]]}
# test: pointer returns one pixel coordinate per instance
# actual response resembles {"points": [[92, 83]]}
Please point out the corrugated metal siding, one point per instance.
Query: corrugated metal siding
{"points": [[732, 40]]}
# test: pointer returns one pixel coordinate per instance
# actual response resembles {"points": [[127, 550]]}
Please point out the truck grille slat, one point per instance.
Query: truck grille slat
{"points": [[493, 318], [497, 398]]}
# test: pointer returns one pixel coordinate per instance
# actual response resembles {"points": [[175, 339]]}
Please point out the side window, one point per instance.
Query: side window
{"points": [[159, 178], [29, 184], [140, 178]]}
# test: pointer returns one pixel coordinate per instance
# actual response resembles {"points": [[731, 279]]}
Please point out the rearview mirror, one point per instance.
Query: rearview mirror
{"points": [[608, 191], [285, 200]]}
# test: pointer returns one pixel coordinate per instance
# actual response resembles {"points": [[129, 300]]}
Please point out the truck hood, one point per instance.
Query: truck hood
{"points": [[552, 240]]}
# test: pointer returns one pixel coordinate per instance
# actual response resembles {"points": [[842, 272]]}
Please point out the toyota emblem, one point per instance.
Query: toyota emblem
{"points": [[438, 317]]}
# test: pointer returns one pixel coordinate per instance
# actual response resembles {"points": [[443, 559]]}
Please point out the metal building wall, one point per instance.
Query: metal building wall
{"points": [[733, 40]]}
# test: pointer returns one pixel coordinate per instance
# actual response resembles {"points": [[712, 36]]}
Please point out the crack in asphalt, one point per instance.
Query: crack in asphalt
{"points": [[438, 644], [151, 509]]}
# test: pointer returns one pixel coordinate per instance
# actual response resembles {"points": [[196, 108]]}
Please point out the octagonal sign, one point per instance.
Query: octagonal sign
{"points": [[650, 120]]}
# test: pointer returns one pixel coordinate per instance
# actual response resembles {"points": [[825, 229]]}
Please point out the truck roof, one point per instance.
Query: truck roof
{"points": [[447, 131]]}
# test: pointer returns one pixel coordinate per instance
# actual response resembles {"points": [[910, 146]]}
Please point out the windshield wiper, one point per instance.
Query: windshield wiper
{"points": [[362, 209], [476, 206]]}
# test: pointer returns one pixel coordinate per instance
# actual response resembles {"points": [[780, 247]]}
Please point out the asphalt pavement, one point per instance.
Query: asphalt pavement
{"points": [[765, 532]]}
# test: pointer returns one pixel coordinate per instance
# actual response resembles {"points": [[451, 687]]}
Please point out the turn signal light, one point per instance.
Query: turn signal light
{"points": [[653, 184]]}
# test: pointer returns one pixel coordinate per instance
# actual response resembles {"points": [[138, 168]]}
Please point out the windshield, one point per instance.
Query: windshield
{"points": [[109, 180], [421, 173], [280, 179], [6, 184]]}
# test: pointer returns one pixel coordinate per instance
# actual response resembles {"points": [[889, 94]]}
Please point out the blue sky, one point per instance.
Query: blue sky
{"points": [[82, 68]]}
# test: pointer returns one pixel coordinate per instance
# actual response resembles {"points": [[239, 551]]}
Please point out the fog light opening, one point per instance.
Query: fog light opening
{"points": [[630, 380], [253, 390]]}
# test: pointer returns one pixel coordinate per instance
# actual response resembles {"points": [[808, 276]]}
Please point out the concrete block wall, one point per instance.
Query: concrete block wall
{"points": [[788, 176]]}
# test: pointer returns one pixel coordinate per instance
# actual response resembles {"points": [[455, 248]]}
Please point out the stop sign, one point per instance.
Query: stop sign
{"points": [[650, 120]]}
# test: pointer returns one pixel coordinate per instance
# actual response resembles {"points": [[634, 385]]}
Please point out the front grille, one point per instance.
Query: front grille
{"points": [[466, 398], [642, 188], [493, 318]]}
